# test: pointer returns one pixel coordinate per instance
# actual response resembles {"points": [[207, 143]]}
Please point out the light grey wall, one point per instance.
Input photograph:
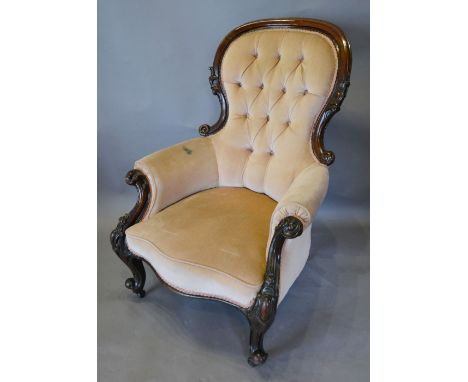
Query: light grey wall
{"points": [[153, 59]]}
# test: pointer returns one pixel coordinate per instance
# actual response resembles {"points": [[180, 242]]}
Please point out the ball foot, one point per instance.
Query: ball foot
{"points": [[257, 358], [130, 284]]}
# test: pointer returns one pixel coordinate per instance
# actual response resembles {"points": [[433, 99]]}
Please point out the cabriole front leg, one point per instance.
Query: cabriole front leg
{"points": [[119, 245], [137, 282], [262, 313]]}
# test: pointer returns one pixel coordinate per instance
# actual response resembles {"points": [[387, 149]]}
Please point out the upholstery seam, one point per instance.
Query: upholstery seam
{"points": [[215, 157], [269, 70], [274, 104], [279, 135], [247, 159], [244, 168], [258, 132], [292, 71], [247, 122], [255, 98], [266, 172], [270, 109], [153, 191], [248, 66]]}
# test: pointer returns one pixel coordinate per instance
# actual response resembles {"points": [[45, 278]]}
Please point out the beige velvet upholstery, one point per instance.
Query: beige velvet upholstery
{"points": [[179, 171], [216, 200], [304, 195]]}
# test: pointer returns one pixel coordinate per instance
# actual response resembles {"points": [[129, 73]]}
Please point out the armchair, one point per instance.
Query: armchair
{"points": [[227, 217]]}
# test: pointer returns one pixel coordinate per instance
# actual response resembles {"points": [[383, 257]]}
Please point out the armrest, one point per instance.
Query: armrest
{"points": [[179, 171], [303, 197]]}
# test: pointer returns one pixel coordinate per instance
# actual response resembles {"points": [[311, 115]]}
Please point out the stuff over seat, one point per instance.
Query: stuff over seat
{"points": [[212, 243]]}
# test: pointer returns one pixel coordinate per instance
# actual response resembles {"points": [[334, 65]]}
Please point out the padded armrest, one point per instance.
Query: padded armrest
{"points": [[303, 197], [179, 171]]}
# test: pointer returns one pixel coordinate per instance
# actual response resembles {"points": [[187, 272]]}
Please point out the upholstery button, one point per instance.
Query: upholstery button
{"points": [[255, 54], [267, 118], [301, 58], [250, 149], [239, 84], [288, 123], [283, 89], [305, 92], [261, 86], [271, 152]]}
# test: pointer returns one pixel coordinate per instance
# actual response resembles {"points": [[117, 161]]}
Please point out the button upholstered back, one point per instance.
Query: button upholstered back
{"points": [[277, 82]]}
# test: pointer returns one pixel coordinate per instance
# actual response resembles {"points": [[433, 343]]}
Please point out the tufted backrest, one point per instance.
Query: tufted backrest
{"points": [[277, 82]]}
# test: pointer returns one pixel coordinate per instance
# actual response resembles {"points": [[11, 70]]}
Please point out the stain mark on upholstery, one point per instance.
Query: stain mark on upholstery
{"points": [[187, 150]]}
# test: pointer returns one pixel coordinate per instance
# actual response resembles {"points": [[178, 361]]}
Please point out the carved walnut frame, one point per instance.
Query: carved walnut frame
{"points": [[262, 312]]}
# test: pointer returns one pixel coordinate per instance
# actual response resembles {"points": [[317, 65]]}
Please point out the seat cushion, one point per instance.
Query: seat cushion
{"points": [[212, 243]]}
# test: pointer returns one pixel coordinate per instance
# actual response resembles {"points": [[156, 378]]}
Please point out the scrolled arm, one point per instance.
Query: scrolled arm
{"points": [[288, 228], [138, 179], [179, 171], [304, 196]]}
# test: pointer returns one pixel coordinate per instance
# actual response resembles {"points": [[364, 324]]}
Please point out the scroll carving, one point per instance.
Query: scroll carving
{"points": [[119, 245], [332, 107], [262, 313], [218, 91]]}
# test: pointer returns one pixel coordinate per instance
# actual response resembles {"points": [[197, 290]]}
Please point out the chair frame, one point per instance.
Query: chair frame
{"points": [[261, 313]]}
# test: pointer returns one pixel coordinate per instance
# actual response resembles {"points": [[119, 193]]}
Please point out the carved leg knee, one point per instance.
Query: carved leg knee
{"points": [[137, 282], [117, 237], [260, 316]]}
